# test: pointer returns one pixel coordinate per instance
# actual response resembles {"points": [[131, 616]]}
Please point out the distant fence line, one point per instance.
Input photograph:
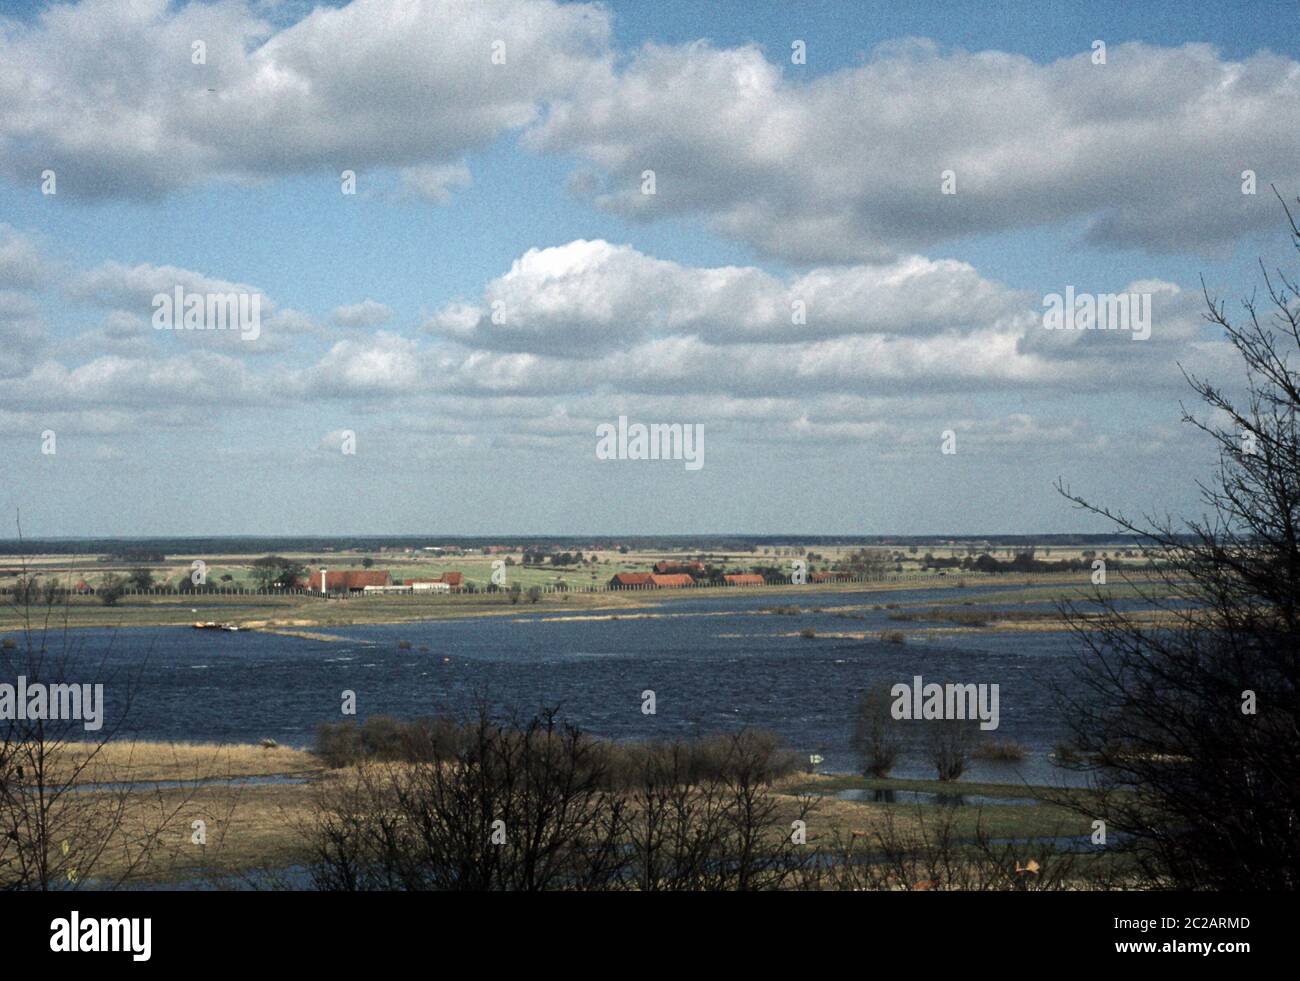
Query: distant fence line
{"points": [[172, 591], [546, 589]]}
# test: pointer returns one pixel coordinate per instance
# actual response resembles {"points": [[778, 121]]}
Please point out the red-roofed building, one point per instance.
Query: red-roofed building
{"points": [[454, 581], [672, 581], [831, 577], [346, 580], [631, 580], [744, 579]]}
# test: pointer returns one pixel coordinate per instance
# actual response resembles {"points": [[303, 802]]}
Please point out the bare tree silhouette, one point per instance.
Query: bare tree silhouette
{"points": [[1191, 726]]}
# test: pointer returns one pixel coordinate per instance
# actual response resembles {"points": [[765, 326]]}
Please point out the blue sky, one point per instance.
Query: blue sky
{"points": [[521, 183]]}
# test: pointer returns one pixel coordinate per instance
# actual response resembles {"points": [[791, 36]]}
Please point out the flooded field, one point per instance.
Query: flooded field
{"points": [[715, 663]]}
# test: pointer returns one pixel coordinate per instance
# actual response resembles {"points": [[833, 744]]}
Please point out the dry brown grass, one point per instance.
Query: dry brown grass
{"points": [[247, 828], [121, 762], [264, 826]]}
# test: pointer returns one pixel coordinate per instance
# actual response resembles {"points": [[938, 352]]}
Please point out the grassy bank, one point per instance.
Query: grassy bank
{"points": [[305, 611], [293, 611]]}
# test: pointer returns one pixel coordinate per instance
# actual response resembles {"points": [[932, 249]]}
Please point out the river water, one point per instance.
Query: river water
{"points": [[715, 663]]}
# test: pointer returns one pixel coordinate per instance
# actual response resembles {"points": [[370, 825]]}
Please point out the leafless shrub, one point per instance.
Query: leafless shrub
{"points": [[998, 751], [876, 735], [519, 808], [67, 818], [719, 832], [948, 744], [540, 805]]}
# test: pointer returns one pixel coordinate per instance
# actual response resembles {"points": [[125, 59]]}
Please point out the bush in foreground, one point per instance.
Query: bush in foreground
{"points": [[540, 805]]}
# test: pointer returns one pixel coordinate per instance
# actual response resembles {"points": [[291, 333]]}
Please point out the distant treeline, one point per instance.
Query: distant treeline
{"points": [[135, 555], [1026, 562]]}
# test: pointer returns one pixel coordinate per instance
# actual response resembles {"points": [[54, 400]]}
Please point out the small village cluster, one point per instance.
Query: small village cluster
{"points": [[379, 581], [679, 575], [665, 575]]}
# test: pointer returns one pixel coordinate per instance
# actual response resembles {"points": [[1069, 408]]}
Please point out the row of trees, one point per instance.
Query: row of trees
{"points": [[879, 740], [269, 572], [533, 557], [1022, 561]]}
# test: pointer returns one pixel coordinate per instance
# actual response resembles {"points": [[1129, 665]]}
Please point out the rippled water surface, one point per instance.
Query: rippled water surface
{"points": [[715, 663]]}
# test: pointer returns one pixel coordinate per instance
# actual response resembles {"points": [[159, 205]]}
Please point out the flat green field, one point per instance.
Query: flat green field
{"points": [[254, 611], [305, 610]]}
